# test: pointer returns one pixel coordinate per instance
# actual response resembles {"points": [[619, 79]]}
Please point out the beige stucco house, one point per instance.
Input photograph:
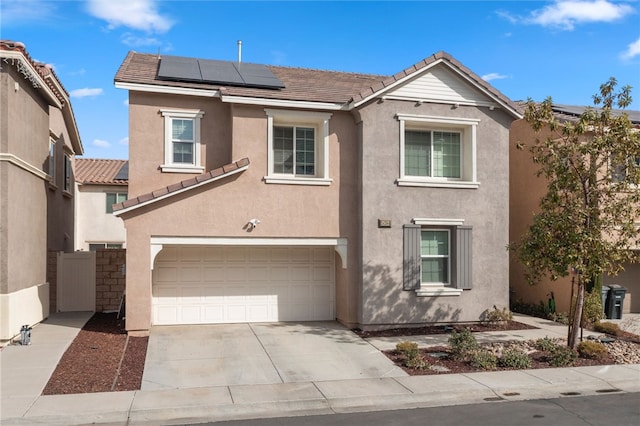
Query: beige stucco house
{"points": [[38, 142], [100, 183], [526, 190], [265, 193]]}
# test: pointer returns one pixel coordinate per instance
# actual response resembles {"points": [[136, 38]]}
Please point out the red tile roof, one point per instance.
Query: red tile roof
{"points": [[99, 171], [182, 186]]}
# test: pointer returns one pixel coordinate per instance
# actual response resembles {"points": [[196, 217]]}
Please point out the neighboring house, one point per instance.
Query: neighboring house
{"points": [[100, 184], [38, 142], [264, 193], [526, 190]]}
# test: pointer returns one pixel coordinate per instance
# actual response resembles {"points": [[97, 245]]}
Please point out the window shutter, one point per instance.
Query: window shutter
{"points": [[463, 257], [412, 259]]}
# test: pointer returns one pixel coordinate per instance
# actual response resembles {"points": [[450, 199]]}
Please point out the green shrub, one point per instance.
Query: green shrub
{"points": [[418, 362], [462, 343], [514, 358], [592, 350], [562, 356], [592, 309], [408, 349], [559, 317], [607, 327], [499, 315], [483, 359], [546, 344]]}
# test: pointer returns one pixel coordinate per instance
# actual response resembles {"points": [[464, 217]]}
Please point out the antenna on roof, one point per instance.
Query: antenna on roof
{"points": [[239, 51]]}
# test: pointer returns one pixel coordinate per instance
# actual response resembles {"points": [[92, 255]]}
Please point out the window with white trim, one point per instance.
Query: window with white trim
{"points": [[437, 151], [434, 252], [297, 147], [52, 161], [182, 141]]}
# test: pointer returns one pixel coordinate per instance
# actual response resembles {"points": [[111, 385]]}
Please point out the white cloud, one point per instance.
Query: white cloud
{"points": [[124, 141], [126, 102], [566, 14], [101, 143], [135, 41], [85, 92], [81, 71], [632, 51], [493, 76], [135, 14]]}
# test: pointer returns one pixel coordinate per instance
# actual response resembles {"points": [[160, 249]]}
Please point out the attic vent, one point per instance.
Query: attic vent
{"points": [[176, 68]]}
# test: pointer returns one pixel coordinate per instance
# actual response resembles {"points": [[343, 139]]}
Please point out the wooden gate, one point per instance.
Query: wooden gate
{"points": [[76, 281]]}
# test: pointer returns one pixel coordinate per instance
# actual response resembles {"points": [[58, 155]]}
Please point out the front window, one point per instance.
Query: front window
{"points": [[434, 249], [432, 154], [115, 198], [294, 150], [298, 147], [437, 151], [182, 141]]}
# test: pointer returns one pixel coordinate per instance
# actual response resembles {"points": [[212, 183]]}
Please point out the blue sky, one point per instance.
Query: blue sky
{"points": [[526, 49]]}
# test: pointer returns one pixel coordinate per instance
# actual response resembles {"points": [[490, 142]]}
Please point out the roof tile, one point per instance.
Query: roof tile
{"points": [[99, 171]]}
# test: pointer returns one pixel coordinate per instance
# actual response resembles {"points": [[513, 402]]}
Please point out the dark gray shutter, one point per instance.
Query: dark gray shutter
{"points": [[463, 257], [411, 257]]}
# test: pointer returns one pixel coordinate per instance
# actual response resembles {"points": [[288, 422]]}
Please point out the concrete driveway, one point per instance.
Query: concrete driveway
{"points": [[252, 354]]}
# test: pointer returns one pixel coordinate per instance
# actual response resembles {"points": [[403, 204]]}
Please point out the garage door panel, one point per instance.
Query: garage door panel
{"points": [[243, 284]]}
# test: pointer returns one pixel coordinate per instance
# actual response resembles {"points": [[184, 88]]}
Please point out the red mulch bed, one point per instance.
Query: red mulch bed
{"points": [[102, 358], [539, 359]]}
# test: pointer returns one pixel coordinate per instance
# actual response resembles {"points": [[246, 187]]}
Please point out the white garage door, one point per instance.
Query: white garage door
{"points": [[206, 285]]}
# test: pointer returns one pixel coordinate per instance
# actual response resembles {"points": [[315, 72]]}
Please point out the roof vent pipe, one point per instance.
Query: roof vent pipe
{"points": [[239, 51]]}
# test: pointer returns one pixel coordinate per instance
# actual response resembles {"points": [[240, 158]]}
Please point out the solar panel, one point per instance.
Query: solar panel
{"points": [[123, 173], [219, 72], [178, 68]]}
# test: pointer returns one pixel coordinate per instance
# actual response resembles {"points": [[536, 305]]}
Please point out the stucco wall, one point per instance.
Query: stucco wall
{"points": [[93, 223], [223, 208], [485, 209]]}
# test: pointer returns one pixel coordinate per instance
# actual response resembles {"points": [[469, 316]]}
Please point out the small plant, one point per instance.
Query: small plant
{"points": [[484, 360], [559, 317], [462, 343], [408, 349], [418, 362], [513, 358], [592, 350], [592, 310], [563, 356], [607, 327], [499, 315], [546, 344]]}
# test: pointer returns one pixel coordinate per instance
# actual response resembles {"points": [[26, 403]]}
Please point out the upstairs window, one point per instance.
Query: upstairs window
{"points": [[115, 198], [298, 147], [182, 141], [67, 174], [437, 151], [52, 161]]}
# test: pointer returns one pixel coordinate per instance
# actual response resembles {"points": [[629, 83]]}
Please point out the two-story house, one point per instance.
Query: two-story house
{"points": [[100, 183], [527, 189], [266, 193], [38, 142]]}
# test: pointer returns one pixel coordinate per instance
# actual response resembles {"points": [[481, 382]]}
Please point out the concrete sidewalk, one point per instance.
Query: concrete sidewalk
{"points": [[215, 403]]}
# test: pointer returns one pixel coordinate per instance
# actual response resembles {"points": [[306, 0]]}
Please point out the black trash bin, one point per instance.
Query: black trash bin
{"points": [[615, 301], [605, 294]]}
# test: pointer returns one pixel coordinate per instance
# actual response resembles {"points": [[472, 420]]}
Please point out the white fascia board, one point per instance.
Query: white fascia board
{"points": [[243, 241], [180, 191], [18, 56], [440, 101], [24, 165], [282, 103], [437, 221], [438, 119], [138, 87]]}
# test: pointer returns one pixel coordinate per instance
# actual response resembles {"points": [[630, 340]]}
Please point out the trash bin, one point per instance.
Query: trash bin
{"points": [[615, 301], [605, 293]]}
